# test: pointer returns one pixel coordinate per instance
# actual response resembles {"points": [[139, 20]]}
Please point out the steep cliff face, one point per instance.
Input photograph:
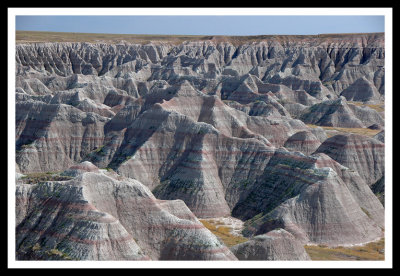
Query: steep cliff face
{"points": [[218, 125], [52, 137]]}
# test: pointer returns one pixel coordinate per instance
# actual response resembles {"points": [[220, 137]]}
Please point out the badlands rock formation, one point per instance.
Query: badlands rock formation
{"points": [[340, 113], [363, 154], [303, 141], [204, 128], [361, 90], [102, 216], [314, 198], [380, 136], [276, 245]]}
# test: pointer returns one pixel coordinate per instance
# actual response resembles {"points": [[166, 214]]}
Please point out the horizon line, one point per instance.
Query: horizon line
{"points": [[252, 35]]}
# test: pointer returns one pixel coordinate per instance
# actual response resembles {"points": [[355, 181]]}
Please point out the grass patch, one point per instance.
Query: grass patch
{"points": [[377, 107], [35, 36], [57, 253], [34, 178], [332, 131], [223, 233], [36, 247], [371, 251]]}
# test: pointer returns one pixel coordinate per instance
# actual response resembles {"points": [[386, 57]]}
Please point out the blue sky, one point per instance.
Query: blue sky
{"points": [[203, 25]]}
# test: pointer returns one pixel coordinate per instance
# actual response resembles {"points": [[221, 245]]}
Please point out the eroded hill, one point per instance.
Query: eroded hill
{"points": [[228, 126]]}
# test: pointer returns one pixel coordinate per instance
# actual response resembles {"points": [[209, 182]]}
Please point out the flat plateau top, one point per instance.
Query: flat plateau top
{"points": [[34, 36]]}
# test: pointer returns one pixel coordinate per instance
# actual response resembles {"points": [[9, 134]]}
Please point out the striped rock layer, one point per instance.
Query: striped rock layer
{"points": [[340, 113], [216, 127], [315, 199], [95, 216], [363, 154], [276, 245]]}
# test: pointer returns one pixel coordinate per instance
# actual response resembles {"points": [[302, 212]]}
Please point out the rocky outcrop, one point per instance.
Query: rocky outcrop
{"points": [[319, 133], [361, 90], [80, 168], [380, 136], [190, 163], [340, 113], [315, 199], [197, 129], [379, 190], [102, 216], [367, 115], [276, 245], [52, 137], [363, 154], [303, 141], [334, 113], [315, 64], [261, 79]]}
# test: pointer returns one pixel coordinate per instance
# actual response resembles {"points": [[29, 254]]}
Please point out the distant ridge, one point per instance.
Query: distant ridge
{"points": [[40, 36]]}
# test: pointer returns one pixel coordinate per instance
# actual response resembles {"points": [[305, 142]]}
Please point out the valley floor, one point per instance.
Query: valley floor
{"points": [[332, 131], [228, 230], [371, 252]]}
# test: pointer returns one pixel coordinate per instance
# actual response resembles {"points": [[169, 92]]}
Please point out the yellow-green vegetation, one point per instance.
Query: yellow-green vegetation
{"points": [[36, 247], [377, 107], [331, 131], [33, 178], [223, 232], [58, 253], [371, 251], [33, 36], [55, 252]]}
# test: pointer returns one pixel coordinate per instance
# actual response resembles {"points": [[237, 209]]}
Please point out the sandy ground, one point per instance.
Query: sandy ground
{"points": [[236, 225]]}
